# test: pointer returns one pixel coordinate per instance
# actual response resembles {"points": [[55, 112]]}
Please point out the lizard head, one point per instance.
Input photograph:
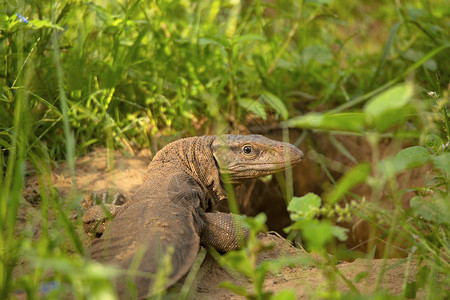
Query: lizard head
{"points": [[241, 157]]}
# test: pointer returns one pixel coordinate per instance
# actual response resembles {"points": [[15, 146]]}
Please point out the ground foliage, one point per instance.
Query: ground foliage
{"points": [[137, 74]]}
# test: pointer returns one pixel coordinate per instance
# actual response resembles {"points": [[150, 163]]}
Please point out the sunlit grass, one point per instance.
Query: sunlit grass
{"points": [[136, 74]]}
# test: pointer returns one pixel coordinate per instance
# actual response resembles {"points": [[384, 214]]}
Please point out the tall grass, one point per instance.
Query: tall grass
{"points": [[136, 74]]}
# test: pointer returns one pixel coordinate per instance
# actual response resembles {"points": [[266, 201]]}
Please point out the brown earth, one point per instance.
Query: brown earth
{"points": [[308, 280], [126, 173]]}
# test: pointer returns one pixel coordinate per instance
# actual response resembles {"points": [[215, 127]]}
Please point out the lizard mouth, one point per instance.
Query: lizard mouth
{"points": [[253, 157], [258, 168]]}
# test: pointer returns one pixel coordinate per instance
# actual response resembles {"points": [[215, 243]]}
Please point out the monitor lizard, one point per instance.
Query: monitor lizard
{"points": [[175, 207]]}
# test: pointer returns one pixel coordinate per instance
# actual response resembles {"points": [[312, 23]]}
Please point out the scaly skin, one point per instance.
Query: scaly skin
{"points": [[173, 211]]}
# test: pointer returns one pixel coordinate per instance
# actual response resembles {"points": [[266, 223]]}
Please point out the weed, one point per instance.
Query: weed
{"points": [[136, 74]]}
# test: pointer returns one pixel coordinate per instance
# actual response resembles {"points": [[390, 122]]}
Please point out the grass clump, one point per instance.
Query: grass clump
{"points": [[135, 74]]}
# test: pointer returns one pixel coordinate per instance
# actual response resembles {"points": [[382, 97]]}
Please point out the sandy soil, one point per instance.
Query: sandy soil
{"points": [[93, 175], [307, 280]]}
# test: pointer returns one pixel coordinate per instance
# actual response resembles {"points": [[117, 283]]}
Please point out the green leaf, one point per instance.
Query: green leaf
{"points": [[44, 24], [297, 226], [317, 234], [442, 162], [301, 207], [216, 40], [395, 97], [3, 22], [352, 178], [410, 290], [284, 295], [434, 142], [276, 103], [387, 109], [340, 233], [253, 106], [239, 290], [435, 210], [257, 223], [352, 122], [249, 38], [360, 276], [408, 158], [422, 276], [237, 260], [412, 157]]}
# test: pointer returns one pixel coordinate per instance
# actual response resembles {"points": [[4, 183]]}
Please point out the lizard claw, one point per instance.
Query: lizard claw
{"points": [[93, 199], [104, 197], [99, 212], [119, 199]]}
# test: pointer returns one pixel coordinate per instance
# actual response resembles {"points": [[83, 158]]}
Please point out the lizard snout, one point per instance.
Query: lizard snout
{"points": [[296, 155]]}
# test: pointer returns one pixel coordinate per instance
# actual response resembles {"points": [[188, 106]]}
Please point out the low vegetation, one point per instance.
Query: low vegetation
{"points": [[134, 74]]}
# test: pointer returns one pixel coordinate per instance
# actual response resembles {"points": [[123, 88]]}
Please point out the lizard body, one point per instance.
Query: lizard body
{"points": [[174, 209]]}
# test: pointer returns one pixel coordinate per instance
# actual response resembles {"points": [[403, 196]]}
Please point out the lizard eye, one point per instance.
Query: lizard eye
{"points": [[247, 149]]}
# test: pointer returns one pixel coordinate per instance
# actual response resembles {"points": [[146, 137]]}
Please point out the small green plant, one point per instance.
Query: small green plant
{"points": [[136, 74], [425, 224], [244, 262]]}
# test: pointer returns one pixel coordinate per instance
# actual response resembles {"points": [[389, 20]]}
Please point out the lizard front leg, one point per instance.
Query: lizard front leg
{"points": [[96, 217], [223, 232]]}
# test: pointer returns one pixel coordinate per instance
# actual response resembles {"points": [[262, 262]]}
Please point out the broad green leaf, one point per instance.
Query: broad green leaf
{"points": [[396, 97], [297, 226], [412, 157], [387, 109], [435, 210], [317, 234], [257, 223], [340, 233], [434, 142], [442, 162], [353, 122], [301, 207], [408, 158], [276, 103], [237, 260], [352, 178], [253, 106]]}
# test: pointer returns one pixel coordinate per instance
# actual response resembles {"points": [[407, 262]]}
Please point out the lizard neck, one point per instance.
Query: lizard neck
{"points": [[205, 170], [194, 157]]}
